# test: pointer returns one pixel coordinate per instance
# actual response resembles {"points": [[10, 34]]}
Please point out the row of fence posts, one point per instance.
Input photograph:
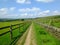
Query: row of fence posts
{"points": [[11, 30], [11, 33]]}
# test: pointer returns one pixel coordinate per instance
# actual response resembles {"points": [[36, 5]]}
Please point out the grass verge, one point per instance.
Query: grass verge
{"points": [[43, 37]]}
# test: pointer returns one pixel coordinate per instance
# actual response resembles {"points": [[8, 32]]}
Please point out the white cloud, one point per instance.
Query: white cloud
{"points": [[47, 11], [23, 1], [34, 12], [56, 12], [46, 1], [29, 12], [3, 11], [12, 8], [26, 15], [33, 9], [20, 1], [28, 2], [26, 12], [43, 13]]}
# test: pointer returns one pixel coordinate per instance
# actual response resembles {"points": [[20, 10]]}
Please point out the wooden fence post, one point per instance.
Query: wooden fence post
{"points": [[11, 35], [23, 26]]}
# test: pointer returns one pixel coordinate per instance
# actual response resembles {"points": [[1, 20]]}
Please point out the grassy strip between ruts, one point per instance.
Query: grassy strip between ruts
{"points": [[43, 37]]}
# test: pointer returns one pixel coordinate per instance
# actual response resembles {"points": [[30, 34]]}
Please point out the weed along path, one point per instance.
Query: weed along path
{"points": [[27, 38], [22, 39]]}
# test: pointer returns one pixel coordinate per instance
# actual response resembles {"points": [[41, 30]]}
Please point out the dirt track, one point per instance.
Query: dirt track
{"points": [[27, 38]]}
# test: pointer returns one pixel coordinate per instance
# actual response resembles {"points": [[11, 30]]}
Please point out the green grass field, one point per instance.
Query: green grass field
{"points": [[5, 39], [52, 20], [43, 37], [2, 24]]}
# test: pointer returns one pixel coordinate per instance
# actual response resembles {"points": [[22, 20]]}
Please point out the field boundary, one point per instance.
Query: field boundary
{"points": [[54, 30], [11, 29]]}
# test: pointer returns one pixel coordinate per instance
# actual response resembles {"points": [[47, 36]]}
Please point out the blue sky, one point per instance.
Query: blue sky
{"points": [[29, 8]]}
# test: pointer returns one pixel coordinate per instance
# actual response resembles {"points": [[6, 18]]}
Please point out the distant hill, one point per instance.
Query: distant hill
{"points": [[56, 16], [2, 20]]}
